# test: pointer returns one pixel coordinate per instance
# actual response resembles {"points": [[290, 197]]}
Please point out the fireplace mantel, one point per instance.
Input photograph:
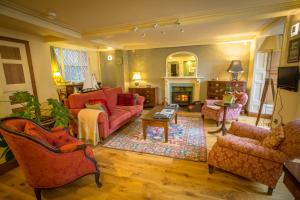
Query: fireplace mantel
{"points": [[195, 80]]}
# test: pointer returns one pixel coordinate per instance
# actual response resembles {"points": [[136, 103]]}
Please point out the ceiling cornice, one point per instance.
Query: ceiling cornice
{"points": [[37, 21], [248, 13]]}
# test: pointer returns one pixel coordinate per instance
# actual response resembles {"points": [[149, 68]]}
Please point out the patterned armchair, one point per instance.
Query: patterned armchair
{"points": [[49, 159], [240, 153], [211, 111]]}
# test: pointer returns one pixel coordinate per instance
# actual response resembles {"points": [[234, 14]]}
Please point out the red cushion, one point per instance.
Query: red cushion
{"points": [[103, 102], [126, 99], [112, 96]]}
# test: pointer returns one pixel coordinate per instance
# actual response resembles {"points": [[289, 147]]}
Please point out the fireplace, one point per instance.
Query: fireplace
{"points": [[182, 95]]}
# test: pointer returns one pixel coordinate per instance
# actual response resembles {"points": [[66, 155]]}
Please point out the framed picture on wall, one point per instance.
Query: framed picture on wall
{"points": [[294, 51]]}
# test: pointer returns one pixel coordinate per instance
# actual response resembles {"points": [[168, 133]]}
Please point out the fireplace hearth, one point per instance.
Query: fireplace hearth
{"points": [[182, 95]]}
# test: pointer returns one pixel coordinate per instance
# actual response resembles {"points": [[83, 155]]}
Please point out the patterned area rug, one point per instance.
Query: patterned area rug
{"points": [[186, 139]]}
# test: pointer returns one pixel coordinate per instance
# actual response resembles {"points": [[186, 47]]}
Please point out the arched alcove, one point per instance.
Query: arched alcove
{"points": [[181, 64]]}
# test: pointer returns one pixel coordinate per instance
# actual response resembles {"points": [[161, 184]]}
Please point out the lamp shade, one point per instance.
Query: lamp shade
{"points": [[235, 66], [271, 43], [136, 76]]}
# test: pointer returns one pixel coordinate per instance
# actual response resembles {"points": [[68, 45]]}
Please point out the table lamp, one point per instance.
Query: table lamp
{"points": [[136, 77], [235, 68]]}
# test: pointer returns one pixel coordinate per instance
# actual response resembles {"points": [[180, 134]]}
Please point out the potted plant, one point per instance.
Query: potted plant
{"points": [[53, 114]]}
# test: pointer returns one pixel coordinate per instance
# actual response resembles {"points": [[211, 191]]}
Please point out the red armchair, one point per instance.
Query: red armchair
{"points": [[211, 111], [240, 152], [49, 159]]}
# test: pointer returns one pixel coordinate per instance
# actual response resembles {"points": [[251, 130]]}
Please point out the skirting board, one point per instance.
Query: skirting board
{"points": [[5, 167]]}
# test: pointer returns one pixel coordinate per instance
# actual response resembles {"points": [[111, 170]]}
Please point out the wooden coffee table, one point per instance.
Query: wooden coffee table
{"points": [[148, 120]]}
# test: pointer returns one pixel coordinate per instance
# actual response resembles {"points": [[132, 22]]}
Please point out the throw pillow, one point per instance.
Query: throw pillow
{"points": [[126, 99], [103, 102], [97, 106], [274, 139]]}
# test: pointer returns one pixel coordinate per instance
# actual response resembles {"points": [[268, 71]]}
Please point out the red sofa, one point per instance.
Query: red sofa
{"points": [[120, 115]]}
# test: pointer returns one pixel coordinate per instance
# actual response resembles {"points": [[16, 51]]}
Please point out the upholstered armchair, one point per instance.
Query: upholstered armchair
{"points": [[211, 111], [240, 152], [49, 159]]}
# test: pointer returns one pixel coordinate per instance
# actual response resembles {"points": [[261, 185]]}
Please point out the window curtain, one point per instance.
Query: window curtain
{"points": [[56, 67]]}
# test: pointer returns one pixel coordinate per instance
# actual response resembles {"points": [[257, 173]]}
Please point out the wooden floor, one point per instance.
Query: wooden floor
{"points": [[129, 175]]}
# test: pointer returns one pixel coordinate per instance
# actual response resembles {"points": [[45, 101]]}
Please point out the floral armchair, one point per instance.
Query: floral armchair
{"points": [[49, 159], [240, 152], [211, 111]]}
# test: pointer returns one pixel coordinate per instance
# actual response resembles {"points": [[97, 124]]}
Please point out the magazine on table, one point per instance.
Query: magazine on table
{"points": [[164, 114]]}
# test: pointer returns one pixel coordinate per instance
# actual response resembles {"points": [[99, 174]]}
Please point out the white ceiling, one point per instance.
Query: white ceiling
{"points": [[110, 22]]}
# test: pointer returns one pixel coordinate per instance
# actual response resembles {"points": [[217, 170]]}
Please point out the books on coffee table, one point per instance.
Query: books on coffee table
{"points": [[164, 114]]}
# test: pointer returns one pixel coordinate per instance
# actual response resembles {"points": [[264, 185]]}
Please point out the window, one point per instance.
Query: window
{"points": [[73, 63]]}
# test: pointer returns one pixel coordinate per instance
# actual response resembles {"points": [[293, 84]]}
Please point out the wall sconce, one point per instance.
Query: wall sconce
{"points": [[109, 57]]}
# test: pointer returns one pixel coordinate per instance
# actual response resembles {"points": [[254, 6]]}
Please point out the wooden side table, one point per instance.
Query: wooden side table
{"points": [[225, 106], [292, 177]]}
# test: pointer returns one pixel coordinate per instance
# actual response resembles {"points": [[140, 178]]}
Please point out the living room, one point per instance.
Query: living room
{"points": [[156, 99]]}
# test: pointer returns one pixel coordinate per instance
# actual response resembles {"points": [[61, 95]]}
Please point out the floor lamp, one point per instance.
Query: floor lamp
{"points": [[270, 44]]}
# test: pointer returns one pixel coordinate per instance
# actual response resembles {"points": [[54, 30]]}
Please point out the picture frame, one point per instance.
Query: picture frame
{"points": [[294, 51]]}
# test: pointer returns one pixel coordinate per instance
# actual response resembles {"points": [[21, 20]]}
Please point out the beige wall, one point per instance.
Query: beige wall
{"points": [[290, 100], [40, 54], [213, 62]]}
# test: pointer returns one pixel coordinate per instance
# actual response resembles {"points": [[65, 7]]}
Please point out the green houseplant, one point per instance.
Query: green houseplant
{"points": [[53, 115]]}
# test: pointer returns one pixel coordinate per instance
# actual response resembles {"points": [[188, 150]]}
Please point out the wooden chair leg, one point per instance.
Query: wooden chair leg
{"points": [[218, 123], [38, 194], [97, 179], [270, 190], [210, 169], [202, 117]]}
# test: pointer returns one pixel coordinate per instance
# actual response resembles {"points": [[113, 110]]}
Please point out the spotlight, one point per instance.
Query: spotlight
{"points": [[143, 35], [135, 29], [155, 26], [163, 32], [181, 30]]}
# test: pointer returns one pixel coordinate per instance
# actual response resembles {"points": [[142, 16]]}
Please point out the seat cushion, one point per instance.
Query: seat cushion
{"points": [[112, 96], [118, 116], [134, 110]]}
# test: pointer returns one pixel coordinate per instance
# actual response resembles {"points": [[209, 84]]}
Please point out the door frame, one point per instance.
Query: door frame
{"points": [[29, 60]]}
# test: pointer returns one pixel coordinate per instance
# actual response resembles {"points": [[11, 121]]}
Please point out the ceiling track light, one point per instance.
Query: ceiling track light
{"points": [[51, 15], [163, 32], [181, 30], [143, 35], [155, 26], [135, 29]]}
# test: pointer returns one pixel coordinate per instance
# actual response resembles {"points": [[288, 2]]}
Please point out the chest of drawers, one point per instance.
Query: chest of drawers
{"points": [[150, 94], [216, 89]]}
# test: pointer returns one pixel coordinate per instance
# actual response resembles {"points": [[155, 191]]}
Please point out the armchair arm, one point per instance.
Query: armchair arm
{"points": [[249, 131], [67, 148], [140, 100], [231, 142], [210, 102], [59, 128]]}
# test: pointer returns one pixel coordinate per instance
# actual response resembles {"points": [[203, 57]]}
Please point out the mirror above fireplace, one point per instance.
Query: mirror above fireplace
{"points": [[181, 64]]}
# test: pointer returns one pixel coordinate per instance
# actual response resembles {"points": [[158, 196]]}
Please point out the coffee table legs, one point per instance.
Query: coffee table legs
{"points": [[144, 125], [164, 125]]}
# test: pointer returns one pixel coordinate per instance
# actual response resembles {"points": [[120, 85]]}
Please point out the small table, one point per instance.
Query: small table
{"points": [[292, 177], [148, 120], [225, 106]]}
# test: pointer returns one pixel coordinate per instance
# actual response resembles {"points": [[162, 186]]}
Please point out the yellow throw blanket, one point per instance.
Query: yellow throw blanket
{"points": [[88, 125]]}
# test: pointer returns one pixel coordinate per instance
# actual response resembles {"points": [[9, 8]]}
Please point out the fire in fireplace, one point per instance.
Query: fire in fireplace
{"points": [[182, 95]]}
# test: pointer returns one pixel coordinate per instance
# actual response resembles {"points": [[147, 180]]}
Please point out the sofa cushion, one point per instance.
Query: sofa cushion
{"points": [[112, 96], [118, 116], [134, 110], [103, 102], [79, 100], [126, 99]]}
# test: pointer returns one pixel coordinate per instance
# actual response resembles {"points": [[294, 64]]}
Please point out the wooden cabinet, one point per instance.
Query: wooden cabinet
{"points": [[216, 89], [150, 94]]}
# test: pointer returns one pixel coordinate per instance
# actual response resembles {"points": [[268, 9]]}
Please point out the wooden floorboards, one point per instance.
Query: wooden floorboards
{"points": [[129, 175]]}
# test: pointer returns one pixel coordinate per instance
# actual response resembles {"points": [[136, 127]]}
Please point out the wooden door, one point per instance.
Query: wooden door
{"points": [[15, 72]]}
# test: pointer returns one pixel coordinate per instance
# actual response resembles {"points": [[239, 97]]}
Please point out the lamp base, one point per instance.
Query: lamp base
{"points": [[234, 76]]}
